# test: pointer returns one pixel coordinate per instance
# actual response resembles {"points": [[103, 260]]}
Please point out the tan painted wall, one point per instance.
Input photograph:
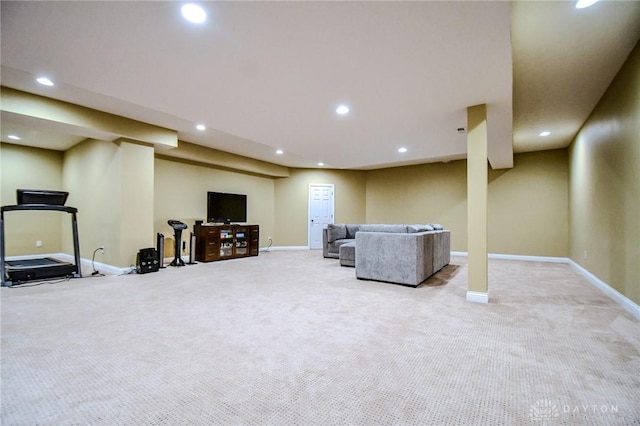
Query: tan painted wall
{"points": [[292, 202], [137, 214], [427, 193], [31, 168], [527, 211], [91, 175], [181, 194], [605, 185], [105, 181], [529, 205]]}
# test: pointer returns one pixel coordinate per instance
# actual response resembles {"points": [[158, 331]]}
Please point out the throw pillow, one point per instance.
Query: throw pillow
{"points": [[336, 232], [351, 231]]}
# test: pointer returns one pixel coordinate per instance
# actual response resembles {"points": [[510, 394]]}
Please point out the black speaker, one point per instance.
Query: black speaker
{"points": [[160, 249], [147, 261], [192, 249]]}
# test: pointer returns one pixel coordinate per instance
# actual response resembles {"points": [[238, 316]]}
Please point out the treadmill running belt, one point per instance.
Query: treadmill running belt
{"points": [[34, 263], [38, 269]]}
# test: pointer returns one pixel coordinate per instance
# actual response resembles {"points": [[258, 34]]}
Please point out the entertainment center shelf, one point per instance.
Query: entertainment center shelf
{"points": [[219, 242]]}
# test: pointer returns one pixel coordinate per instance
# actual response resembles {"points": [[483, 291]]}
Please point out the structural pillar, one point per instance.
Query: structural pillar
{"points": [[477, 190]]}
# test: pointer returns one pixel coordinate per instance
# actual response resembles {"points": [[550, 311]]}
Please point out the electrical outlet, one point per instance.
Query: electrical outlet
{"points": [[38, 243], [102, 249], [268, 238], [585, 255]]}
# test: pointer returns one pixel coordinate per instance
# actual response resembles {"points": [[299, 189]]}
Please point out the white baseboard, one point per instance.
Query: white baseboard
{"points": [[283, 248], [622, 300], [517, 257], [529, 258], [478, 297], [88, 267]]}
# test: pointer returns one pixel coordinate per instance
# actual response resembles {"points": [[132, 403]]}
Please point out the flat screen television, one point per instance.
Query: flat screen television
{"points": [[227, 208]]}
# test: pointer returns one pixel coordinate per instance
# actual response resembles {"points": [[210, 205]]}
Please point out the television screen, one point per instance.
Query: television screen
{"points": [[227, 208]]}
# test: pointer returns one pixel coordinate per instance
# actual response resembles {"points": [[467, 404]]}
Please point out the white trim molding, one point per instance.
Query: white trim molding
{"points": [[477, 296], [86, 263], [622, 300], [529, 258], [517, 257], [289, 248]]}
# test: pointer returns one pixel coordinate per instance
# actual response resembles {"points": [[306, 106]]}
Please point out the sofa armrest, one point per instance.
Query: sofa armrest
{"points": [[394, 257], [441, 250], [325, 243]]}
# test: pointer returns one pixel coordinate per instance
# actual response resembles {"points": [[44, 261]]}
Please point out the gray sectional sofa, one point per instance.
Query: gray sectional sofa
{"points": [[402, 254]]}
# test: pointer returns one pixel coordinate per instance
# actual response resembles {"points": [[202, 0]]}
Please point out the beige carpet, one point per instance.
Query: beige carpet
{"points": [[290, 338]]}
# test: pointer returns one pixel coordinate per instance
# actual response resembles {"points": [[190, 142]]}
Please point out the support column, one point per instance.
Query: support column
{"points": [[112, 186], [477, 189], [136, 180]]}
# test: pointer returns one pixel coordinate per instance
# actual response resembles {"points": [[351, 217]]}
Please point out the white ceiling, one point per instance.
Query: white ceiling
{"points": [[269, 75]]}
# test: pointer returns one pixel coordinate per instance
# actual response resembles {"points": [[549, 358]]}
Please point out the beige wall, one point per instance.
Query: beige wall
{"points": [[111, 184], [91, 170], [427, 193], [292, 202], [181, 194], [528, 204], [528, 207], [31, 168], [605, 185]]}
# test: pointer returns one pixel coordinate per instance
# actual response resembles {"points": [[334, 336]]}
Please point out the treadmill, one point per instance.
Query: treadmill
{"points": [[22, 270]]}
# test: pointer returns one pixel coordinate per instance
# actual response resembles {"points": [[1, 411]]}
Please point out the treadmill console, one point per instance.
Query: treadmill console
{"points": [[41, 196]]}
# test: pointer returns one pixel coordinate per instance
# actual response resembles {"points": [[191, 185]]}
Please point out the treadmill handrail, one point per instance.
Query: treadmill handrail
{"points": [[39, 207], [74, 229]]}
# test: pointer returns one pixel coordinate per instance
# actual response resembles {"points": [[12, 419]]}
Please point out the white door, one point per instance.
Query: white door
{"points": [[320, 212]]}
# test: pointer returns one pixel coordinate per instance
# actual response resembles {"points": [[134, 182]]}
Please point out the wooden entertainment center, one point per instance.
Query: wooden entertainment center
{"points": [[219, 241]]}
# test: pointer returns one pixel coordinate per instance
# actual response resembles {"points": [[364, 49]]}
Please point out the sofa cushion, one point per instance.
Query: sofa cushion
{"points": [[348, 254], [351, 231], [437, 227], [336, 231], [384, 228], [334, 247]]}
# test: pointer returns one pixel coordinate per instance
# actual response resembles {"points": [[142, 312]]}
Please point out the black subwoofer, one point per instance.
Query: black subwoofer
{"points": [[147, 261]]}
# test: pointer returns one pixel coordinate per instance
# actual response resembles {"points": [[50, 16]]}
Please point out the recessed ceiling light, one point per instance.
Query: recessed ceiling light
{"points": [[201, 127], [279, 152], [44, 81], [402, 150], [14, 137], [581, 4], [321, 164], [545, 133], [342, 110], [194, 13]]}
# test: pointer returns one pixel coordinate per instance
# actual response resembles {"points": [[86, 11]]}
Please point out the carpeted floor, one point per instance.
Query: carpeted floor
{"points": [[290, 338]]}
